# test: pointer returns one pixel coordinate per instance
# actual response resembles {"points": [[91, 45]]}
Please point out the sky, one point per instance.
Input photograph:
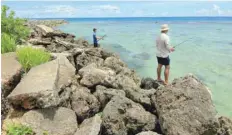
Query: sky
{"points": [[88, 9]]}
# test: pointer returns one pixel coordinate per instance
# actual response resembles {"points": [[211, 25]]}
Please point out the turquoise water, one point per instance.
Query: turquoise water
{"points": [[208, 54]]}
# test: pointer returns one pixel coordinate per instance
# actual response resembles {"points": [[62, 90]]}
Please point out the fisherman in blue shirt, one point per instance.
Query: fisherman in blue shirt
{"points": [[95, 38]]}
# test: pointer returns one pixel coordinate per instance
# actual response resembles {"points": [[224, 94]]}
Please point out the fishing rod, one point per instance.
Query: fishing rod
{"points": [[102, 37], [182, 42]]}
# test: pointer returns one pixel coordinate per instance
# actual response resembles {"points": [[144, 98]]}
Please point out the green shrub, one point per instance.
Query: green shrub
{"points": [[12, 25], [30, 57], [19, 129], [7, 43]]}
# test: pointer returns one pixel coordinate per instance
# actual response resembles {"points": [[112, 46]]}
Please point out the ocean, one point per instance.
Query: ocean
{"points": [[207, 53]]}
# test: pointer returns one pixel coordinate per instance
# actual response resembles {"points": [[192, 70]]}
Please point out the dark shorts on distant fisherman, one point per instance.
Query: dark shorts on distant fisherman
{"points": [[163, 61], [95, 44]]}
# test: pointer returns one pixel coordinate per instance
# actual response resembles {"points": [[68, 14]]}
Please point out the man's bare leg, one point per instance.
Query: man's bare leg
{"points": [[159, 69], [166, 74]]}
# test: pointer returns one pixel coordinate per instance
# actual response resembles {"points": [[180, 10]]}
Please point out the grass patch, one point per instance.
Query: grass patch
{"points": [[30, 57], [7, 43], [19, 129]]}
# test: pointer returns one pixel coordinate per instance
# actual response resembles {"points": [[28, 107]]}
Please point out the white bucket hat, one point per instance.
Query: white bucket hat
{"points": [[164, 27]]}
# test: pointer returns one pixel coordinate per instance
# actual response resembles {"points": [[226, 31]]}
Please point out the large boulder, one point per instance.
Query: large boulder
{"points": [[114, 63], [119, 81], [11, 72], [43, 30], [11, 75], [40, 88], [84, 103], [147, 133], [104, 94], [131, 74], [185, 108], [53, 121], [91, 126], [84, 59], [142, 97], [93, 75], [121, 116], [149, 83], [225, 126], [82, 41]]}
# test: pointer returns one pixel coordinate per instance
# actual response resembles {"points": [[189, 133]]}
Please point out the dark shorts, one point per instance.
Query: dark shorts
{"points": [[95, 44], [163, 61]]}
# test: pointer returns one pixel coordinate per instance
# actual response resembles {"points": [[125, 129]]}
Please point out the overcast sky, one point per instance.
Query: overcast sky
{"points": [[67, 9]]}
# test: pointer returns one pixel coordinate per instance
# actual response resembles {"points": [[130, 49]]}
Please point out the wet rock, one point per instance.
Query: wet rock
{"points": [[84, 103], [148, 133], [142, 56], [90, 126], [53, 121], [93, 75], [149, 83], [45, 91], [121, 116], [185, 107], [225, 126], [104, 94]]}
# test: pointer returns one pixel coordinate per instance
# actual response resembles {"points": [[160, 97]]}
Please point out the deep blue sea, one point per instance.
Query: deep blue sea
{"points": [[208, 54]]}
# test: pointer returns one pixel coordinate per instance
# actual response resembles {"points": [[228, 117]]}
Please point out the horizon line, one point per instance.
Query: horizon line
{"points": [[136, 17]]}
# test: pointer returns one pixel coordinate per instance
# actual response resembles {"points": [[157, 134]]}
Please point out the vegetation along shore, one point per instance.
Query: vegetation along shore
{"points": [[54, 83]]}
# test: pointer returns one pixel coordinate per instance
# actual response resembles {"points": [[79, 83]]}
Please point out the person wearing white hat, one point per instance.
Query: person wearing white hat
{"points": [[163, 50]]}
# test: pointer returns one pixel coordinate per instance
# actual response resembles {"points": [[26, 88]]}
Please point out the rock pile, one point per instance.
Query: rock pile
{"points": [[88, 91]]}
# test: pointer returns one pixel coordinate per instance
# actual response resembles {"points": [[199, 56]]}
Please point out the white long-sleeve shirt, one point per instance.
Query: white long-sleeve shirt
{"points": [[162, 46]]}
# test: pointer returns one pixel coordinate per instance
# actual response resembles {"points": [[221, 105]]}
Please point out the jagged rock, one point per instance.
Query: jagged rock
{"points": [[43, 30], [40, 88], [11, 75], [114, 63], [131, 74], [104, 94], [84, 59], [185, 107], [225, 126], [141, 96], [56, 48], [84, 103], [36, 41], [147, 133], [149, 83], [91, 126], [67, 45], [82, 41], [121, 116], [119, 81], [53, 121], [92, 75], [68, 55], [49, 23]]}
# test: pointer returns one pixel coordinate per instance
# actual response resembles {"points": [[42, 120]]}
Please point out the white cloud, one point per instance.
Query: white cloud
{"points": [[214, 11], [61, 9], [107, 8]]}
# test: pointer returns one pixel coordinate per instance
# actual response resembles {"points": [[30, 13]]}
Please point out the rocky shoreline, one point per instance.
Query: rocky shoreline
{"points": [[90, 91]]}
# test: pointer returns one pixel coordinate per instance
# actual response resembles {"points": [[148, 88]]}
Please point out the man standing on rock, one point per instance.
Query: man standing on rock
{"points": [[95, 38], [163, 49]]}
